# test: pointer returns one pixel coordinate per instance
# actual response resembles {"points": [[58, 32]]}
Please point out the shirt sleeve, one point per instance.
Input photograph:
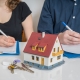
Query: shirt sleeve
{"points": [[46, 22], [25, 12]]}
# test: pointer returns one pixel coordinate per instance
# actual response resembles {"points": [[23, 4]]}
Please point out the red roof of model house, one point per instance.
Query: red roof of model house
{"points": [[36, 40]]}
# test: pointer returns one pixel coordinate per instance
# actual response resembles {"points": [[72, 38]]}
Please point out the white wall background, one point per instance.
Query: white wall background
{"points": [[36, 7]]}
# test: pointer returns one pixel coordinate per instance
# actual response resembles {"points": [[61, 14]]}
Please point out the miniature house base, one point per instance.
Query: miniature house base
{"points": [[38, 66]]}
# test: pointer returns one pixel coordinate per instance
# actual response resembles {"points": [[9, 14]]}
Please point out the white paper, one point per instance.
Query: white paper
{"points": [[9, 50], [72, 48]]}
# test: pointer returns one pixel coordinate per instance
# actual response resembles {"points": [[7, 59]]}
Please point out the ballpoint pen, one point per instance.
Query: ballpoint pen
{"points": [[3, 33], [67, 26]]}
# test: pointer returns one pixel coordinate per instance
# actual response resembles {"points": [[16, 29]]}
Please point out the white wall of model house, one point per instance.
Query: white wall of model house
{"points": [[54, 58], [28, 57], [36, 7]]}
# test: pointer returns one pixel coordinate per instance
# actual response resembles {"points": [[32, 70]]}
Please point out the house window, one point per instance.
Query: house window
{"points": [[51, 60], [34, 47], [58, 57], [54, 49], [37, 58], [58, 49], [32, 57], [41, 49]]}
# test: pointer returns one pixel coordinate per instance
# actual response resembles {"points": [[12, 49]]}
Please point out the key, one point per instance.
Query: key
{"points": [[12, 70], [21, 68], [27, 65], [12, 66], [9, 67], [18, 67], [27, 69], [16, 61]]}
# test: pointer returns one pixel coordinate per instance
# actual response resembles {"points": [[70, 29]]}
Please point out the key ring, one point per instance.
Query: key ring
{"points": [[16, 61]]}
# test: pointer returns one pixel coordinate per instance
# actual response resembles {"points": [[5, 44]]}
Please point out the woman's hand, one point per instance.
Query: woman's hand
{"points": [[6, 41], [69, 37]]}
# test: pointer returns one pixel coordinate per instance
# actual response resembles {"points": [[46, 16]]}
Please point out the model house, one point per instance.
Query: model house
{"points": [[43, 51]]}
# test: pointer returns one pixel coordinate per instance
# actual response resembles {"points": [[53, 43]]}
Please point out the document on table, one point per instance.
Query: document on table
{"points": [[9, 50], [72, 48]]}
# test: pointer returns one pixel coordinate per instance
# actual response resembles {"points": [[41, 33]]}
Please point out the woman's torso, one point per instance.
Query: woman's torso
{"points": [[11, 24]]}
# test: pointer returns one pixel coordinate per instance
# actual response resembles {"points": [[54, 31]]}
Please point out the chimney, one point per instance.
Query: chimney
{"points": [[43, 34]]}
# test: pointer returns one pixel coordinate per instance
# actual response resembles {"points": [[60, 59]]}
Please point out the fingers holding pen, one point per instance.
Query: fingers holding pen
{"points": [[6, 41], [11, 39], [69, 37], [73, 36]]}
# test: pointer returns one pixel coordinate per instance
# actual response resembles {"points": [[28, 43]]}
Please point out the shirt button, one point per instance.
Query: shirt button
{"points": [[75, 4], [73, 17]]}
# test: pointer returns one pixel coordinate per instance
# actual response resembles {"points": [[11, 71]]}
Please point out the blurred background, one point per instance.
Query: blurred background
{"points": [[36, 7]]}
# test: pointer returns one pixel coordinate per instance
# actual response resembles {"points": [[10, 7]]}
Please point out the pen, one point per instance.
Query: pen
{"points": [[67, 26], [3, 33]]}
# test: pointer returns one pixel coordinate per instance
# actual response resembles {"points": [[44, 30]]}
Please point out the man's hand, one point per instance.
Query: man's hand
{"points": [[69, 37], [6, 41]]}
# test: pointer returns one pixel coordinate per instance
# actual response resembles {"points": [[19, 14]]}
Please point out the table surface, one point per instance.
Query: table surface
{"points": [[68, 71]]}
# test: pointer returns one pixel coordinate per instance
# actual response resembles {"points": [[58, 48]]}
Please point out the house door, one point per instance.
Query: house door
{"points": [[42, 61]]}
